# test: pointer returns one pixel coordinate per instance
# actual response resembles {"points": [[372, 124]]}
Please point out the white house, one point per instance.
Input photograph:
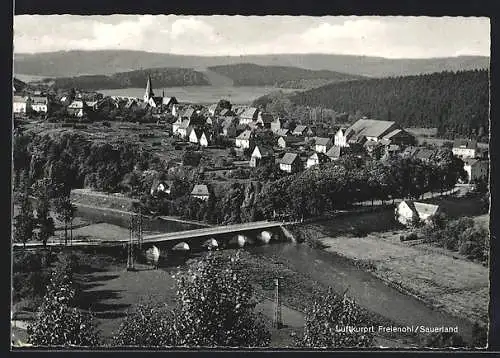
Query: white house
{"points": [[302, 131], [261, 154], [290, 163], [366, 130], [200, 191], [244, 139], [408, 210], [203, 140], [249, 115], [317, 158], [322, 145], [335, 152], [464, 148], [39, 104], [193, 136], [475, 169], [21, 104], [77, 108], [161, 187]]}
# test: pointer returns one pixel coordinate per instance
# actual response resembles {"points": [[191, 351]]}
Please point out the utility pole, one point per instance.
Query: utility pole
{"points": [[277, 322], [130, 245]]}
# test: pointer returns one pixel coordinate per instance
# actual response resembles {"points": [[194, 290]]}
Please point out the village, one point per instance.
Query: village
{"points": [[219, 164]]}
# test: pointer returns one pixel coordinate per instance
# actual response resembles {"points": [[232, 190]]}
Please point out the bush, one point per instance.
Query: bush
{"points": [[409, 237], [327, 312], [215, 309]]}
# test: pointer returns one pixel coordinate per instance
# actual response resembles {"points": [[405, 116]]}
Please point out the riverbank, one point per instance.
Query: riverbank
{"points": [[442, 280]]}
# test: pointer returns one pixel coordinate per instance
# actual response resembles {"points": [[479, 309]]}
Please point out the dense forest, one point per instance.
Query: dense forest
{"points": [[457, 103], [247, 74], [161, 77]]}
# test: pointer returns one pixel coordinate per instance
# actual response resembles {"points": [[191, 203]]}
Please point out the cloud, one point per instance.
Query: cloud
{"points": [[239, 35]]}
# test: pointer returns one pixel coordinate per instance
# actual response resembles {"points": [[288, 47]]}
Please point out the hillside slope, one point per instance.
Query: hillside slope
{"points": [[72, 63], [457, 103], [161, 77], [248, 74]]}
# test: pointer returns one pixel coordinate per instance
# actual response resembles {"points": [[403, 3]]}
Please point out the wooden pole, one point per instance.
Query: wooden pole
{"points": [[277, 322]]}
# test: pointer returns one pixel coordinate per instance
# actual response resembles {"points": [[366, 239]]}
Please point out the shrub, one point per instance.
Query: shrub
{"points": [[326, 313]]}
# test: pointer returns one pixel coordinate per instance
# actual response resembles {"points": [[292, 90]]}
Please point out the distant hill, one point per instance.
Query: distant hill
{"points": [[160, 77], [105, 62], [248, 74], [457, 103]]}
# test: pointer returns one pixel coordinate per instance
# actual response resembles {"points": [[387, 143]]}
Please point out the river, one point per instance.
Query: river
{"points": [[327, 269], [203, 94]]}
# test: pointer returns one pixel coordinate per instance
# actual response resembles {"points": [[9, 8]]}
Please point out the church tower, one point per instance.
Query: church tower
{"points": [[149, 90]]}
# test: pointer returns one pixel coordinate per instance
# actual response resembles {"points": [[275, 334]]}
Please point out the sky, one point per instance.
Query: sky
{"points": [[390, 37]]}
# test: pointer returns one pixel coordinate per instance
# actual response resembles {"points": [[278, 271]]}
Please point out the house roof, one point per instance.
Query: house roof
{"points": [[393, 133], [228, 122], [425, 209], [157, 100], [200, 189], [291, 139], [226, 112], [320, 157], [249, 112], [185, 124], [334, 152], [212, 107], [425, 154], [289, 158], [188, 112], [245, 135], [19, 99], [299, 129], [76, 104], [465, 143], [264, 151], [323, 141], [410, 151], [169, 100], [39, 100], [472, 162], [421, 208], [369, 128], [282, 132]]}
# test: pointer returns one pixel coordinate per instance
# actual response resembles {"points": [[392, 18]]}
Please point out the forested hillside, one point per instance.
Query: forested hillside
{"points": [[247, 74], [457, 103], [161, 77]]}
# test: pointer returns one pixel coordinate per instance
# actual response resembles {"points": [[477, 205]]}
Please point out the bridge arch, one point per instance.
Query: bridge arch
{"points": [[211, 244], [265, 236], [181, 246]]}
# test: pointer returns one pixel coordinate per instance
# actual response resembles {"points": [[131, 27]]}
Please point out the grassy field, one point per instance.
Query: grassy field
{"points": [[444, 280]]}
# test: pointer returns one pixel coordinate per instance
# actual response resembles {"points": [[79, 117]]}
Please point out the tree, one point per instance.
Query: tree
{"points": [[43, 191], [65, 211], [57, 323], [24, 222], [325, 319], [216, 306], [148, 326]]}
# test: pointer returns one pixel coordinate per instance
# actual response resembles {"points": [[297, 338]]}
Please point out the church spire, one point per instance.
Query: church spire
{"points": [[149, 90]]}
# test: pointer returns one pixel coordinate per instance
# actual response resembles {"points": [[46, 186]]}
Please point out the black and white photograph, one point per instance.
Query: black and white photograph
{"points": [[250, 182]]}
